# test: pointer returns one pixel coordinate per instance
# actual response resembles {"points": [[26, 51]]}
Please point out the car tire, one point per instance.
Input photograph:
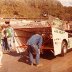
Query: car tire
{"points": [[63, 48]]}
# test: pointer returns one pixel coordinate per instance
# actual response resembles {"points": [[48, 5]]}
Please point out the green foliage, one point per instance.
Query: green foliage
{"points": [[34, 9]]}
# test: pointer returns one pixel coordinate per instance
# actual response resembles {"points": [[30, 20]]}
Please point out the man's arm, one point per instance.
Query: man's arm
{"points": [[40, 42]]}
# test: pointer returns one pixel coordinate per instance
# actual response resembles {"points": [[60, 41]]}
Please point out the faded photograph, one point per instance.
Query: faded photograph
{"points": [[35, 35]]}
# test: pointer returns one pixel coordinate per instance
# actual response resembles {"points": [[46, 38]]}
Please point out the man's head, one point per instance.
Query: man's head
{"points": [[43, 35], [7, 23]]}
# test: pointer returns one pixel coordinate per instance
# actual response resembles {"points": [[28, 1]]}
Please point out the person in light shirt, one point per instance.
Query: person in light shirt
{"points": [[10, 34]]}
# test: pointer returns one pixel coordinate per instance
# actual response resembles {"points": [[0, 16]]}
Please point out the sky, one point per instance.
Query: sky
{"points": [[66, 2]]}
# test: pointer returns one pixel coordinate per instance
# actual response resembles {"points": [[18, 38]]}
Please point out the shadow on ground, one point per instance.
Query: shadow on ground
{"points": [[47, 55], [14, 53], [24, 58]]}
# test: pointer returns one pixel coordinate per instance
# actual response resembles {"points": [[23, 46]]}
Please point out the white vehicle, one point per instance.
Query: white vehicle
{"points": [[55, 40], [60, 41]]}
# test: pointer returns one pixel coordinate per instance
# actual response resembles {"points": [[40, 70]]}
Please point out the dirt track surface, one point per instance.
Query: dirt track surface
{"points": [[13, 62]]}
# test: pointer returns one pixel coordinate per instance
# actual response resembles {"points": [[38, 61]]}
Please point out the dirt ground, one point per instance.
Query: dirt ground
{"points": [[13, 62]]}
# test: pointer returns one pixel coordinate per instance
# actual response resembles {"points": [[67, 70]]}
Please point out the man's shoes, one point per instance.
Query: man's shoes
{"points": [[31, 64], [39, 65]]}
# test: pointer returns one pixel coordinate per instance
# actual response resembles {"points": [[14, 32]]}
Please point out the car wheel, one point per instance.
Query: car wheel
{"points": [[63, 48]]}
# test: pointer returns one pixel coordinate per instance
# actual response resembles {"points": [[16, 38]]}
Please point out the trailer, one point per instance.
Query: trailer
{"points": [[56, 40]]}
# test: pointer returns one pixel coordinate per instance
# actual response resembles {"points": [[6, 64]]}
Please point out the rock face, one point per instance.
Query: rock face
{"points": [[23, 8]]}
